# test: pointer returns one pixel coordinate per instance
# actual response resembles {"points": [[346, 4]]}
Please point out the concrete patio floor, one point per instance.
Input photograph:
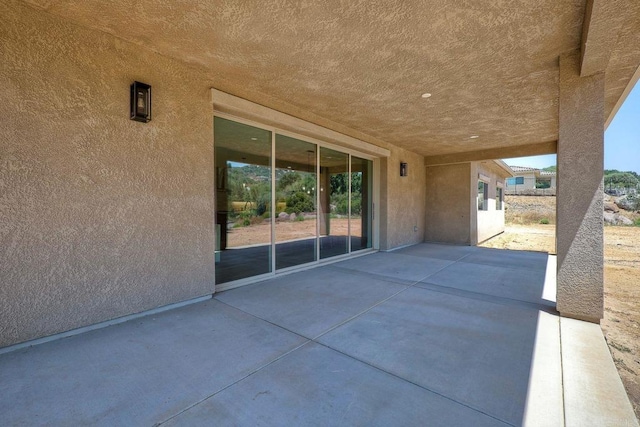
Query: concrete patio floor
{"points": [[426, 335]]}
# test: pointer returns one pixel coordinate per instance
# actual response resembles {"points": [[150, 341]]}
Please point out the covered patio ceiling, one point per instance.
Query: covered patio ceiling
{"points": [[360, 67]]}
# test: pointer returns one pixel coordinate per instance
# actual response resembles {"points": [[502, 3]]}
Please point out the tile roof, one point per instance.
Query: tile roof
{"points": [[522, 169]]}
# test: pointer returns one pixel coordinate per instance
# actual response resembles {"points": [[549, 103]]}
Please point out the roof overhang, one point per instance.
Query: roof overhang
{"points": [[360, 69]]}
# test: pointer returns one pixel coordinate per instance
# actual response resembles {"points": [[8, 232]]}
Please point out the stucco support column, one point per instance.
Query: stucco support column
{"points": [[580, 192]]}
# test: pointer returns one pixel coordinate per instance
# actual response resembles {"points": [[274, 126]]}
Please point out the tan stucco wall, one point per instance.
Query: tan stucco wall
{"points": [[491, 221], [580, 193], [403, 200], [100, 216], [447, 214]]}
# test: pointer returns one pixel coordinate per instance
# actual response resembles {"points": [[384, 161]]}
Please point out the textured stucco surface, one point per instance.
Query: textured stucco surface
{"points": [[580, 192], [624, 57], [100, 216], [360, 67], [448, 195], [403, 213], [602, 23], [452, 214], [364, 65]]}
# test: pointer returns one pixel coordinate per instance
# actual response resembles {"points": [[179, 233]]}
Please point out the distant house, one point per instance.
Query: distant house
{"points": [[527, 180], [466, 211]]}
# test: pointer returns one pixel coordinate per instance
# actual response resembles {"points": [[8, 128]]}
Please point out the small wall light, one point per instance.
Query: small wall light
{"points": [[140, 102], [403, 169]]}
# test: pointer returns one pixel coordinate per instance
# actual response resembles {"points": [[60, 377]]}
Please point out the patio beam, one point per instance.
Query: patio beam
{"points": [[602, 22], [580, 192], [549, 147]]}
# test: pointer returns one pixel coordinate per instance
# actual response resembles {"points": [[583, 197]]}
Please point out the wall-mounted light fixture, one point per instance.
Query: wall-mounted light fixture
{"points": [[140, 102], [403, 169]]}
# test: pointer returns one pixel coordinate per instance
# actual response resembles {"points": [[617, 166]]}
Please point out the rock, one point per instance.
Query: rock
{"points": [[611, 207], [616, 219], [624, 203], [283, 216], [292, 217], [609, 218], [623, 220]]}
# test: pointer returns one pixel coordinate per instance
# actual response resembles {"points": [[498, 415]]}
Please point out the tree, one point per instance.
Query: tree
{"points": [[287, 180], [618, 179], [339, 183]]}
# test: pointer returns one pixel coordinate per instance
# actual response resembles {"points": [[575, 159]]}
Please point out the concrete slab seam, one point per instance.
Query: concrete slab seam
{"points": [[435, 272], [369, 274], [463, 257], [314, 340], [564, 408], [435, 258], [233, 383], [478, 296], [359, 314], [416, 384], [502, 266], [260, 318]]}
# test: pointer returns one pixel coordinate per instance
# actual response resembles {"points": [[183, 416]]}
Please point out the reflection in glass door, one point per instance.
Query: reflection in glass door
{"points": [[295, 219], [334, 202], [282, 202], [360, 217], [243, 200]]}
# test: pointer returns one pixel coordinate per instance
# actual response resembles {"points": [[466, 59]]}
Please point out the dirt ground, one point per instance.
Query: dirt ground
{"points": [[621, 323], [526, 210], [287, 230], [531, 237]]}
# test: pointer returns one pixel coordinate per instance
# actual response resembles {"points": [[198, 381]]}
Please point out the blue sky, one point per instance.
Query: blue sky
{"points": [[621, 140]]}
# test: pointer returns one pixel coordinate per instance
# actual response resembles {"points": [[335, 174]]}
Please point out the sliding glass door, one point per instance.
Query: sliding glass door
{"points": [[243, 200], [334, 203], [360, 213], [295, 213], [283, 202]]}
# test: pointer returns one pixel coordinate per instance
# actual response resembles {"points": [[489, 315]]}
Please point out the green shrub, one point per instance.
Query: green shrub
{"points": [[299, 217], [544, 221], [300, 202], [341, 203], [637, 222]]}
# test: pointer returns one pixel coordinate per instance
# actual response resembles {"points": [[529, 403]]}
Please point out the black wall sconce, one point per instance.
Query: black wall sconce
{"points": [[403, 169], [140, 102]]}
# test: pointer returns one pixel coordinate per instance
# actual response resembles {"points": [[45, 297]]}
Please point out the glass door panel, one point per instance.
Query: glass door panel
{"points": [[334, 202], [360, 218], [295, 220], [243, 200]]}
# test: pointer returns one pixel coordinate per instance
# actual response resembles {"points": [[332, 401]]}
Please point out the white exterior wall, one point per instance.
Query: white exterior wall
{"points": [[529, 181], [488, 222]]}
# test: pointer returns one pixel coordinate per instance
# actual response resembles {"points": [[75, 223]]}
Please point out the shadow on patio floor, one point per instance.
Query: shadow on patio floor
{"points": [[429, 334]]}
